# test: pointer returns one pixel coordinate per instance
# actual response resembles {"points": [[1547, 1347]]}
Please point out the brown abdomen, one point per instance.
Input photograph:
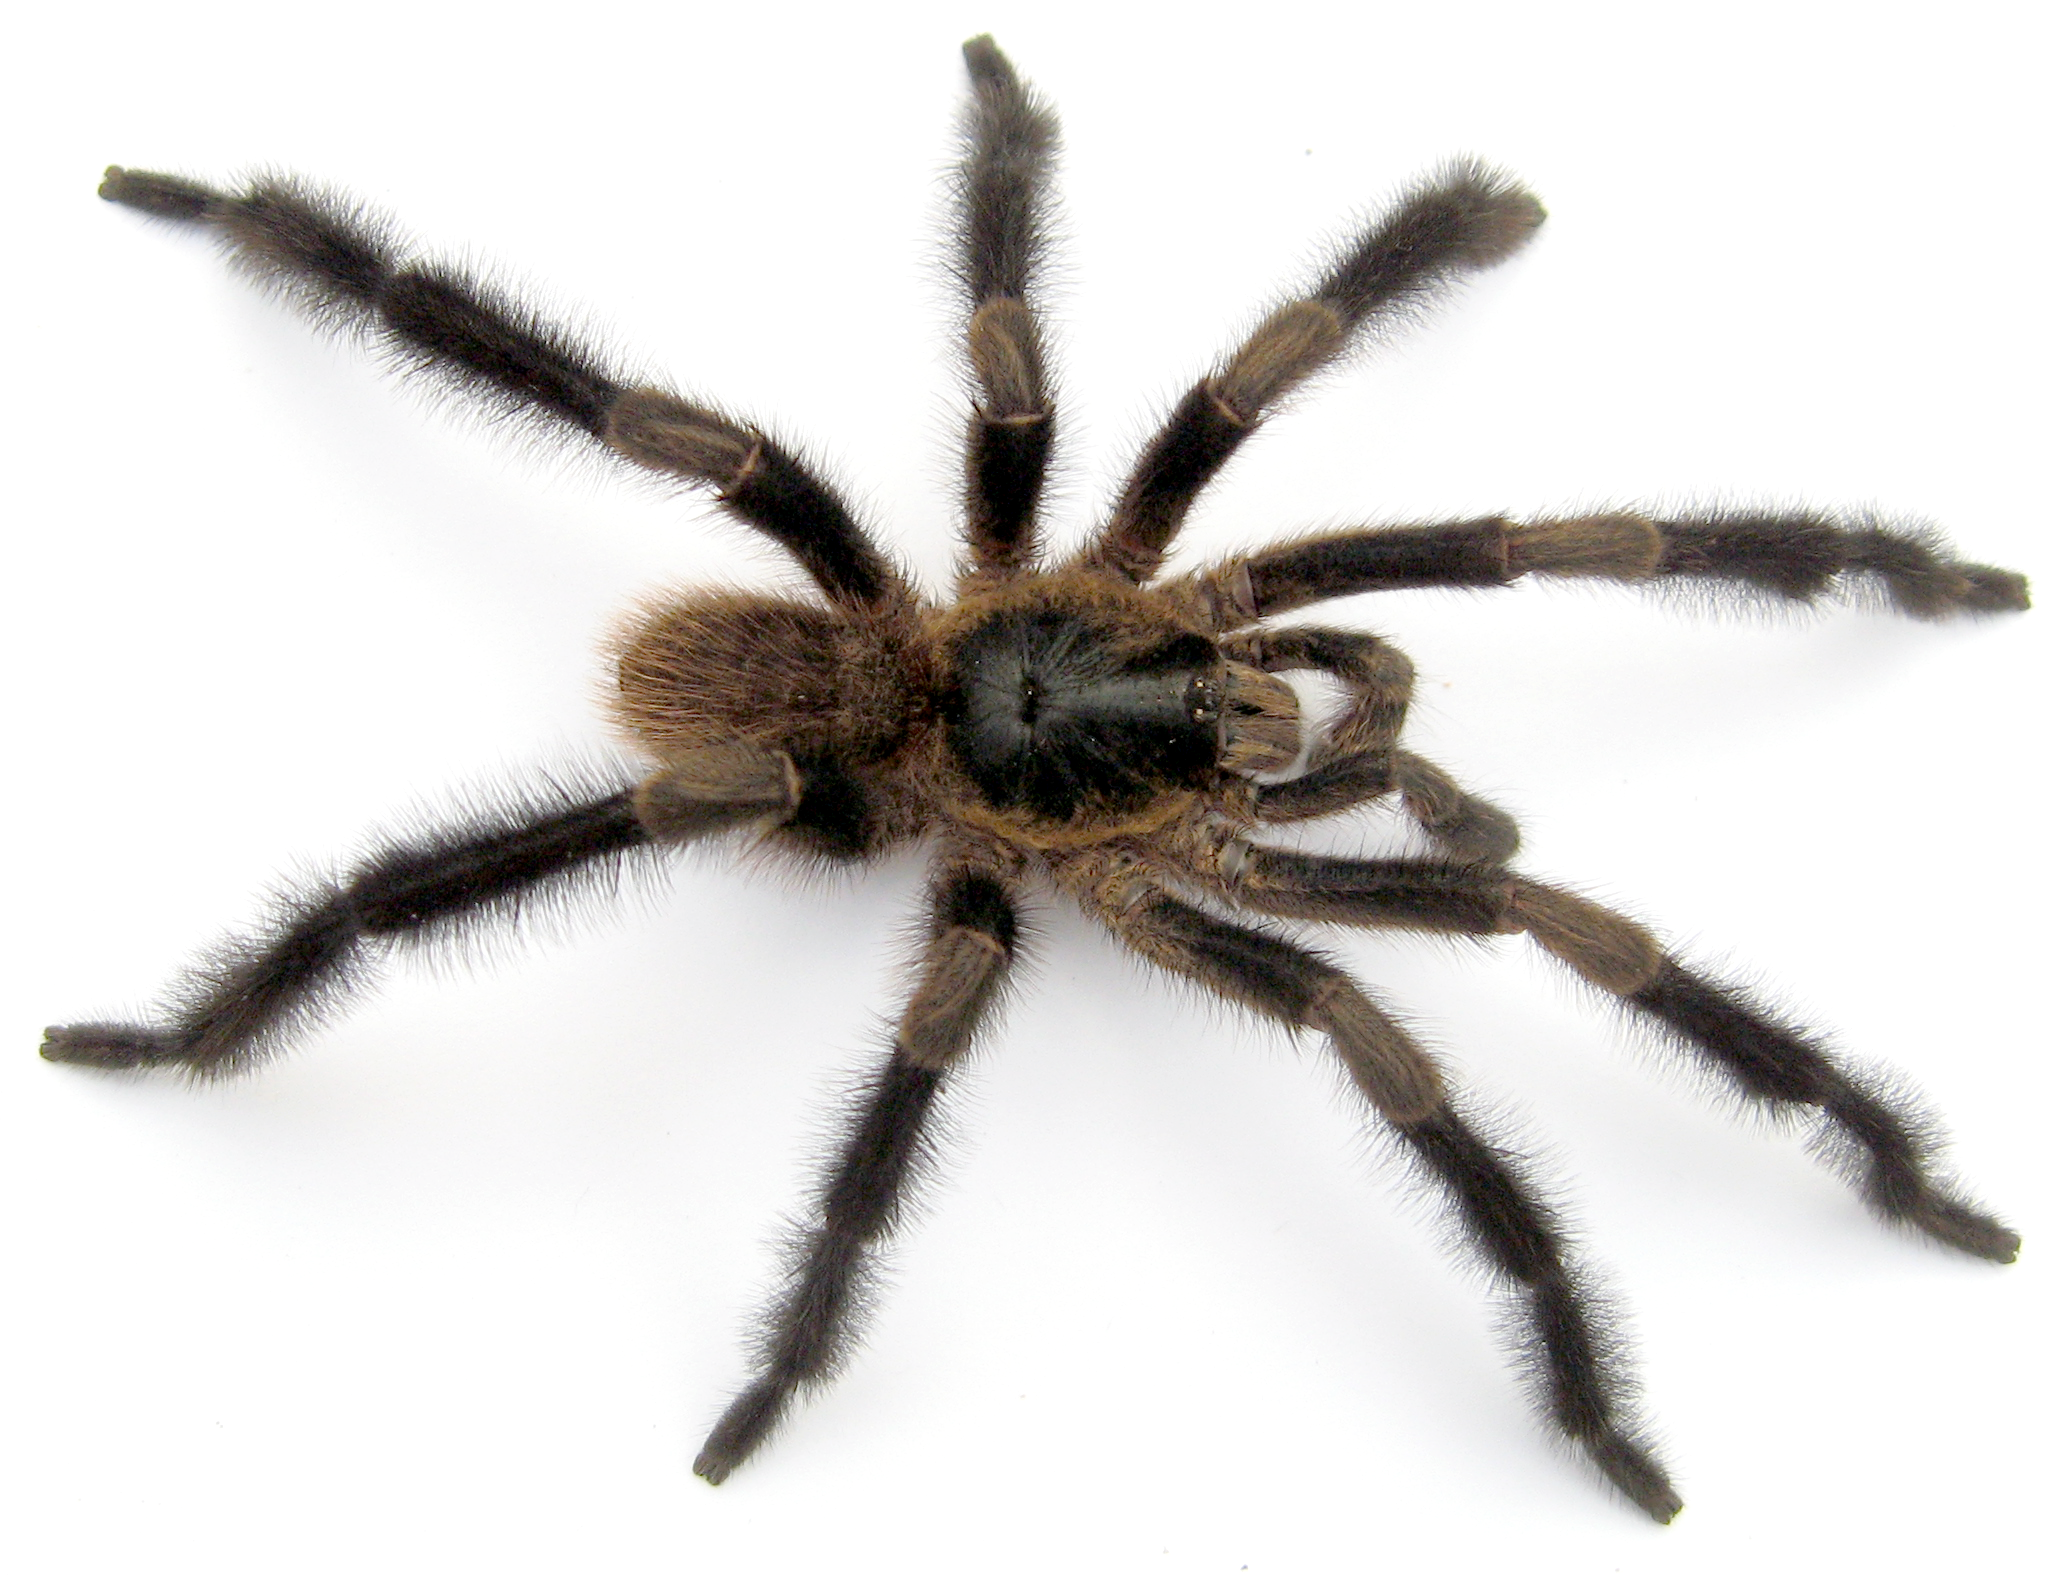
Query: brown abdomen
{"points": [[711, 668]]}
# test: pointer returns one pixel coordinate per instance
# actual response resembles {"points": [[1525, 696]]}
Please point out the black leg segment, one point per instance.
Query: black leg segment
{"points": [[1467, 553], [1570, 1349], [1462, 218], [972, 938], [1889, 1151], [811, 1328], [1412, 894], [254, 994], [1798, 555], [347, 268], [1004, 199]]}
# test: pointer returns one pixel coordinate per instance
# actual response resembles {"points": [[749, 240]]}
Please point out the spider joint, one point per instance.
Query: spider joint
{"points": [[1607, 949]]}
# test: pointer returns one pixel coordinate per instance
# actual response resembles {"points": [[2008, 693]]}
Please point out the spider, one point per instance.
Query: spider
{"points": [[1121, 735]]}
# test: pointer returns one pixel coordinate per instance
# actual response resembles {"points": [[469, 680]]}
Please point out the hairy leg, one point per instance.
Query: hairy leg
{"points": [[254, 994], [1584, 1391], [972, 939], [1797, 555], [1460, 219], [1891, 1150], [1003, 190], [347, 268], [1358, 759]]}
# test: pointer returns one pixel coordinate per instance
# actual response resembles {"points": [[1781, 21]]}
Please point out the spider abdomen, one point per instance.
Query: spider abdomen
{"points": [[715, 668]]}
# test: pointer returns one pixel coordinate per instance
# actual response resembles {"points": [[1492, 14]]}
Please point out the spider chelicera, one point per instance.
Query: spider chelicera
{"points": [[1091, 724]]}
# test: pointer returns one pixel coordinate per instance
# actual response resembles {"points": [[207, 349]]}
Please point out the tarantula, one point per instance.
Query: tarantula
{"points": [[1120, 735]]}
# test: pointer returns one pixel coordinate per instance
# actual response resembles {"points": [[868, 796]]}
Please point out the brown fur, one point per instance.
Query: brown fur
{"points": [[1392, 1071], [1298, 990], [1292, 343], [826, 721], [1262, 731], [1136, 619], [1221, 599], [1464, 825], [1004, 351], [962, 970], [1023, 829], [715, 788], [1610, 546], [1379, 678], [662, 432], [1608, 949], [717, 668]]}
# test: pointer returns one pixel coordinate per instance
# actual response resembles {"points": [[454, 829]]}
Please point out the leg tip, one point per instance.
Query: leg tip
{"points": [[1970, 1231], [742, 1429], [1993, 590], [1634, 1472], [161, 196], [112, 1045], [713, 1467]]}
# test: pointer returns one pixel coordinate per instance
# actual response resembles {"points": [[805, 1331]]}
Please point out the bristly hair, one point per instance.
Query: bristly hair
{"points": [[1563, 1333], [350, 269], [1002, 186], [804, 1334], [1799, 554], [512, 858], [545, 899], [1463, 216], [1088, 721]]}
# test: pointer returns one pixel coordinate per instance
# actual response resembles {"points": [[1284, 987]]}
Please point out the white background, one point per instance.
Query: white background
{"points": [[459, 1286]]}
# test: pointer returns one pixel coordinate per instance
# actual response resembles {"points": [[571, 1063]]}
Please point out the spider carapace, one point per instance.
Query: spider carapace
{"points": [[1085, 723]]}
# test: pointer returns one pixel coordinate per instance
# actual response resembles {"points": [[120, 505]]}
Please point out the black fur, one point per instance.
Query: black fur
{"points": [[413, 886], [780, 497], [455, 327], [971, 901], [1466, 217], [1774, 1063], [1799, 554], [340, 264], [1007, 462], [835, 818], [1269, 974], [1569, 1346], [254, 993], [323, 251], [814, 1323], [1325, 790], [811, 1328], [1003, 180], [1056, 709], [236, 1004], [1788, 555], [1044, 714], [1462, 218], [1465, 553], [1427, 894], [1003, 187], [1178, 463]]}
